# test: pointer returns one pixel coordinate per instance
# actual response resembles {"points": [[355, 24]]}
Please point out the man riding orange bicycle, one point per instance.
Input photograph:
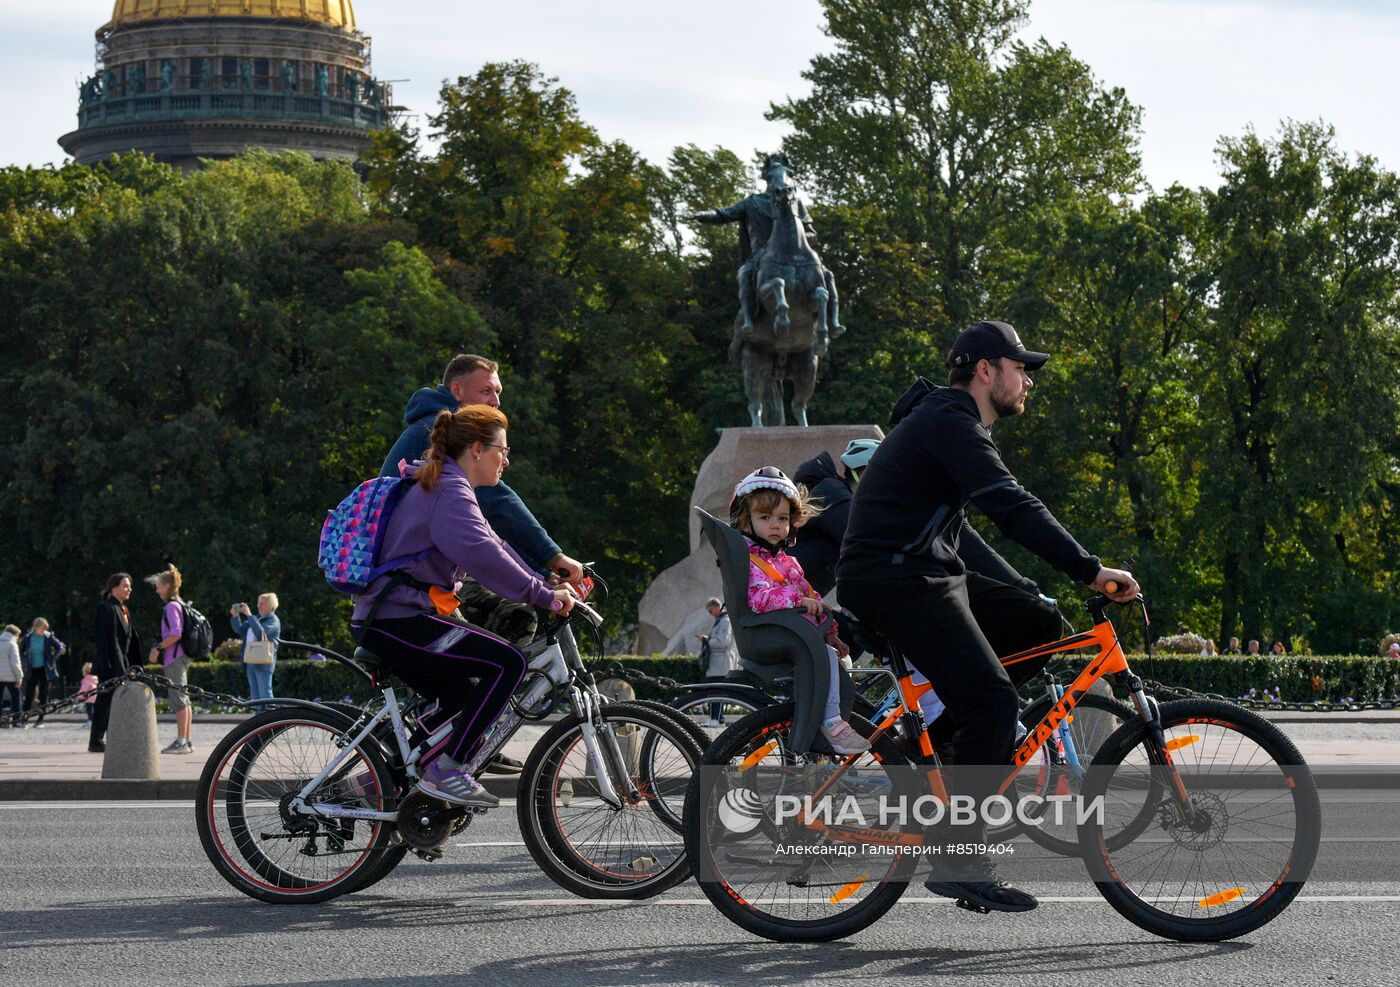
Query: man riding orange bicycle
{"points": [[900, 572]]}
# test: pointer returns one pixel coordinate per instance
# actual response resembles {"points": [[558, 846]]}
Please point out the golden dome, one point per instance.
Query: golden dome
{"points": [[337, 13]]}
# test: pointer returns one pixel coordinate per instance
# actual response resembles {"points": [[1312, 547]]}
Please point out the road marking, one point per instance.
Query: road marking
{"points": [[496, 901]]}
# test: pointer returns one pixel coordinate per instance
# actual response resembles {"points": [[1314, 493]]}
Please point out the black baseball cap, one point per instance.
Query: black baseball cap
{"points": [[989, 341]]}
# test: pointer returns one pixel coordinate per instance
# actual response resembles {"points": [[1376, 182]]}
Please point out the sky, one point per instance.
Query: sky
{"points": [[659, 74]]}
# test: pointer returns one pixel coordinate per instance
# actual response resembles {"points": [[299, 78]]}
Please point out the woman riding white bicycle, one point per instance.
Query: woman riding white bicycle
{"points": [[405, 616]]}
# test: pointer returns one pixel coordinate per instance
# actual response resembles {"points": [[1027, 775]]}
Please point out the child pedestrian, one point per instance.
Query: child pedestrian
{"points": [[89, 681]]}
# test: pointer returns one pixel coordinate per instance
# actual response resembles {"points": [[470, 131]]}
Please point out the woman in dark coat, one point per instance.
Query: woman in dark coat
{"points": [[118, 647]]}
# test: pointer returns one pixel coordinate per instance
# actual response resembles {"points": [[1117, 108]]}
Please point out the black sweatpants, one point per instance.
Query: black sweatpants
{"points": [[470, 672], [953, 629], [38, 683]]}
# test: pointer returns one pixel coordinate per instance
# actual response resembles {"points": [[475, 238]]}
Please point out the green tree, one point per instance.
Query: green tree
{"points": [[567, 244], [933, 116], [1301, 403], [206, 365]]}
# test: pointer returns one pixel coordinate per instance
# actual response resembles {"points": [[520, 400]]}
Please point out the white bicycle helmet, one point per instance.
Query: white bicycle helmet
{"points": [[765, 478], [858, 453]]}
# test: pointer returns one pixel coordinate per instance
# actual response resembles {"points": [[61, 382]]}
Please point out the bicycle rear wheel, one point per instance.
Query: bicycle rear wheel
{"points": [[1244, 851], [701, 710], [254, 837], [732, 833], [588, 846]]}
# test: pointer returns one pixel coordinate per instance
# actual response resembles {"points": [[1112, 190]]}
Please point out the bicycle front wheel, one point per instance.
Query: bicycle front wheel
{"points": [[584, 843], [258, 841], [1241, 849]]}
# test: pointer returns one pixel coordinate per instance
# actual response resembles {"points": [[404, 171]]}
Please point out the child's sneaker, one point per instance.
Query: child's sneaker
{"points": [[842, 738], [449, 781]]}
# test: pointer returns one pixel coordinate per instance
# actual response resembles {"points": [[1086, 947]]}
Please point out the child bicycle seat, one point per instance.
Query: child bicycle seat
{"points": [[776, 645]]}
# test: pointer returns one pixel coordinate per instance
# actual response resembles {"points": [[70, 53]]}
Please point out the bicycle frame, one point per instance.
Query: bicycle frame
{"points": [[1110, 660], [602, 746]]}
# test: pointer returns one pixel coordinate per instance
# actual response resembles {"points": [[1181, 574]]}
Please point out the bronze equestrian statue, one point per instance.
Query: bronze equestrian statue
{"points": [[788, 306]]}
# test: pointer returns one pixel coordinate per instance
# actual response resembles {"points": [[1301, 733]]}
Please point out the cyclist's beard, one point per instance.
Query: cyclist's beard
{"points": [[1007, 404]]}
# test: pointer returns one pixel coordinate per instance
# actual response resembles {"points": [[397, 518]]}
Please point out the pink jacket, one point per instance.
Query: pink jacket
{"points": [[767, 594]]}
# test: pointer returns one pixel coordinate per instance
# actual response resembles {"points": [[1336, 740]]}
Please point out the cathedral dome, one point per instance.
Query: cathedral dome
{"points": [[336, 13]]}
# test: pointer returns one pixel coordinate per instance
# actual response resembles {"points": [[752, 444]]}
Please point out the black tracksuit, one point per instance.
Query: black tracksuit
{"points": [[901, 569]]}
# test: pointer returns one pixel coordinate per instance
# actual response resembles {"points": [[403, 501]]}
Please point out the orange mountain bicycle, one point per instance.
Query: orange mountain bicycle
{"points": [[1197, 820]]}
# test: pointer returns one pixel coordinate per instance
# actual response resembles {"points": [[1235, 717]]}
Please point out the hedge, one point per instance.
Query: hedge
{"points": [[1298, 679]]}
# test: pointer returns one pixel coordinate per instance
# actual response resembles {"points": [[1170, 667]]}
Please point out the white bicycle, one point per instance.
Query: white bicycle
{"points": [[308, 801]]}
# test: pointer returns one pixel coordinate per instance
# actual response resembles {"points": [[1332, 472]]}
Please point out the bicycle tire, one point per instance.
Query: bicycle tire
{"points": [[1060, 780], [234, 848], [751, 734], [648, 858], [1196, 731]]}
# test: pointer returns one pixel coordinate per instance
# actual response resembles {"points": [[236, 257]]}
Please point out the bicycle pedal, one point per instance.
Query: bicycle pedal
{"points": [[974, 907], [430, 854]]}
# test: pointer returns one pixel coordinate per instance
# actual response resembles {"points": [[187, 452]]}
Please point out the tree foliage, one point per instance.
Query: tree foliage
{"points": [[201, 368]]}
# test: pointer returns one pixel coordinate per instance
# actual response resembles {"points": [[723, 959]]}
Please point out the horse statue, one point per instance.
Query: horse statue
{"points": [[788, 307]]}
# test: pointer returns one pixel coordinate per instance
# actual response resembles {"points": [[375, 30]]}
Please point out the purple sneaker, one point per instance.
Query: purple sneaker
{"points": [[450, 782]]}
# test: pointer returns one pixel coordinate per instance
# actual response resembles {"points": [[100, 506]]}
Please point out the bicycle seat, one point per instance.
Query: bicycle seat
{"points": [[778, 645], [372, 663]]}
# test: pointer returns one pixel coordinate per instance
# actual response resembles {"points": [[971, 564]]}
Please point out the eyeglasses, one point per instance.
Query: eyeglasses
{"points": [[505, 450]]}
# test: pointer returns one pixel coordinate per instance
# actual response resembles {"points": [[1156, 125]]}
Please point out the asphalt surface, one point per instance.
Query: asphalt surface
{"points": [[121, 893]]}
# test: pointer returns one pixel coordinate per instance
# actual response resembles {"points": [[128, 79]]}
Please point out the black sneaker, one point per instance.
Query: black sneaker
{"points": [[97, 747], [974, 879], [502, 765]]}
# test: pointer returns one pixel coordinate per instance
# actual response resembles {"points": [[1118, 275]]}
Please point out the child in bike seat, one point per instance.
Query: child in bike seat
{"points": [[767, 508], [405, 617]]}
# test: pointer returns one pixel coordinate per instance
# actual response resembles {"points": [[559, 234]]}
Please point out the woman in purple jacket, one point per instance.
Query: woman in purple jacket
{"points": [[404, 617]]}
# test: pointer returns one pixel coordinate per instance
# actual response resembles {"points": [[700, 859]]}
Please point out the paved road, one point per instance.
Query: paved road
{"points": [[120, 893]]}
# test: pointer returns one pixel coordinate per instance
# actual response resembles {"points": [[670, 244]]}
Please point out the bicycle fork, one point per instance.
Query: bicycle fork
{"points": [[1159, 755], [604, 753]]}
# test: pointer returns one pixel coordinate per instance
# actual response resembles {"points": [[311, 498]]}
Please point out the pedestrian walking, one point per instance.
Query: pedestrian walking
{"points": [[261, 634], [39, 651], [171, 654], [11, 673], [117, 647]]}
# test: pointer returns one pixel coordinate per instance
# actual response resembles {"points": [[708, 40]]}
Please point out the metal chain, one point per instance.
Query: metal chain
{"points": [[1348, 706], [132, 675], [635, 676]]}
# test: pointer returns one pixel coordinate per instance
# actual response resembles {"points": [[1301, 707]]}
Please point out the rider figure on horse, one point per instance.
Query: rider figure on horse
{"points": [[755, 216]]}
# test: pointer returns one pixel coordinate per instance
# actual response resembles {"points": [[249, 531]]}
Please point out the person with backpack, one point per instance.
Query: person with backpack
{"points": [[170, 652], [429, 533], [261, 637]]}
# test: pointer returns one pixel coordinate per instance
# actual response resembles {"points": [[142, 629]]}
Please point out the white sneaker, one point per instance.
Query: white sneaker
{"points": [[180, 746], [843, 739]]}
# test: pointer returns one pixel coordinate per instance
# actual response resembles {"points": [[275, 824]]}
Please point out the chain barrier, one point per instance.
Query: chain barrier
{"points": [[635, 676], [1278, 705], [132, 675]]}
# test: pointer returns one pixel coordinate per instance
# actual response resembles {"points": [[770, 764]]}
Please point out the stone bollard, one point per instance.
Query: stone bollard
{"points": [[132, 749]]}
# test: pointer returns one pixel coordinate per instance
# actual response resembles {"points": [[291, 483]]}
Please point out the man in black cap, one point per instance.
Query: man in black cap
{"points": [[900, 571]]}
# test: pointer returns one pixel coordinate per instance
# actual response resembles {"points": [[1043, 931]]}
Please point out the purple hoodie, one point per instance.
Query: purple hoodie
{"points": [[447, 520]]}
